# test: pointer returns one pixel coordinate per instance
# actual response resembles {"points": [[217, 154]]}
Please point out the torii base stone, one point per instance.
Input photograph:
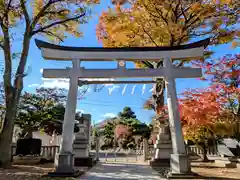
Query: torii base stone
{"points": [[65, 167]]}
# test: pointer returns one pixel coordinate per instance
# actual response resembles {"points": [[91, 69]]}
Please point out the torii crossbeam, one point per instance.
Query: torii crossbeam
{"points": [[179, 159]]}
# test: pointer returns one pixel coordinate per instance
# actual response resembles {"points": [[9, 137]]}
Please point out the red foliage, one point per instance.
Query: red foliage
{"points": [[200, 107], [122, 131], [225, 70], [204, 106]]}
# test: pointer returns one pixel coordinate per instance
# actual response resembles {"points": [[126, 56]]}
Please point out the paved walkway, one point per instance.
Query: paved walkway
{"points": [[121, 171]]}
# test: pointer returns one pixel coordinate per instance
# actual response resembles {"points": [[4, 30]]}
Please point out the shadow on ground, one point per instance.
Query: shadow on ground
{"points": [[206, 170], [163, 171], [25, 172]]}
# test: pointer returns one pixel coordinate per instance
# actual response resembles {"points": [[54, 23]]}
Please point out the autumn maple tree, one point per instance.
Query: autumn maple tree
{"points": [[224, 75], [22, 20], [200, 110], [167, 23], [213, 112]]}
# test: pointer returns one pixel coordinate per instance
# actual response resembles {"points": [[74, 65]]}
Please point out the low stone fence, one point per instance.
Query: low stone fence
{"points": [[47, 152], [191, 149]]}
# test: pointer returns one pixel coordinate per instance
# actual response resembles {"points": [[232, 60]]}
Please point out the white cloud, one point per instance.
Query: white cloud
{"points": [[64, 83], [33, 85], [55, 83], [109, 115], [80, 110]]}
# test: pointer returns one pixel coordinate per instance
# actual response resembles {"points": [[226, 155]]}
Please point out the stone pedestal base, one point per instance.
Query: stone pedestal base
{"points": [[81, 152], [163, 151], [81, 148], [227, 162], [64, 163], [27, 160], [160, 162], [84, 161], [74, 174], [180, 164], [183, 176]]}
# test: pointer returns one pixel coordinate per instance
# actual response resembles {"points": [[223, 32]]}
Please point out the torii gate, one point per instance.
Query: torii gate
{"points": [[179, 160]]}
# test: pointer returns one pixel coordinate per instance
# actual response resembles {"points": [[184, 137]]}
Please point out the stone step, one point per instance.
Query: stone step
{"points": [[80, 146], [84, 161], [190, 175], [163, 146], [227, 162], [160, 162], [80, 142]]}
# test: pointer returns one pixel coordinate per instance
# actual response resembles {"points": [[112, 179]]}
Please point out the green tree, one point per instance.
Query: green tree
{"points": [[22, 20], [108, 135], [121, 130], [43, 110], [128, 127], [127, 113], [142, 129]]}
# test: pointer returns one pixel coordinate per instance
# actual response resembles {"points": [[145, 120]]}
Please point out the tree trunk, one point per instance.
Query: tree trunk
{"points": [[12, 95], [8, 124], [7, 132], [205, 158], [158, 95], [205, 150]]}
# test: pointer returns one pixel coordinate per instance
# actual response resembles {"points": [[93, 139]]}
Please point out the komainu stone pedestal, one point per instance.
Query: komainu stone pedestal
{"points": [[163, 148], [81, 144], [81, 151]]}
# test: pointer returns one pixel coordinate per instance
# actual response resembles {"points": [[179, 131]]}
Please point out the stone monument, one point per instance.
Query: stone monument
{"points": [[81, 144]]}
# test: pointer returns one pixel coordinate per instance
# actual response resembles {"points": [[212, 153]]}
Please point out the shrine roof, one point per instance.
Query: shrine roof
{"points": [[41, 44]]}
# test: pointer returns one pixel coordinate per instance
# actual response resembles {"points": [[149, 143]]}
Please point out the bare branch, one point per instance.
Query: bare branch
{"points": [[149, 35], [52, 34], [25, 13], [42, 12], [56, 23]]}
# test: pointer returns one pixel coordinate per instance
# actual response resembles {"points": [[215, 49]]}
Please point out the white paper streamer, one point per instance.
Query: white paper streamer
{"points": [[133, 89], [110, 90], [151, 90], [124, 89], [143, 88], [95, 87]]}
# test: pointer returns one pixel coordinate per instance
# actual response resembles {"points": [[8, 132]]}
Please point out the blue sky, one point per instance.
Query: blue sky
{"points": [[101, 104]]}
